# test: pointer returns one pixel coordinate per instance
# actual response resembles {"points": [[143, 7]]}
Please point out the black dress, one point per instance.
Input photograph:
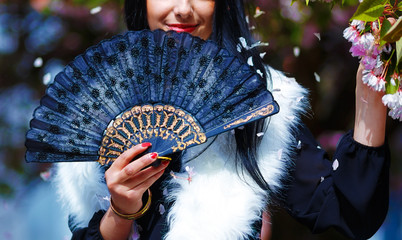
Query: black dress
{"points": [[349, 193]]}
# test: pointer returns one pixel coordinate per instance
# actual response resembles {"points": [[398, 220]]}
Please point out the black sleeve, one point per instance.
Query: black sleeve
{"points": [[92, 232], [350, 193]]}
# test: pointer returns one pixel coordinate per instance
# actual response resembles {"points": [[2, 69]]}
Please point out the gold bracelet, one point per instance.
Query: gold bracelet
{"points": [[136, 215]]}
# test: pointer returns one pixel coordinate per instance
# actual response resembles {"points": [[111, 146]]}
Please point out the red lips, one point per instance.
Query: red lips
{"points": [[182, 27]]}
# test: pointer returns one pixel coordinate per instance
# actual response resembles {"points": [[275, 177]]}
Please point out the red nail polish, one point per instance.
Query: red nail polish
{"points": [[146, 144], [154, 155], [165, 162]]}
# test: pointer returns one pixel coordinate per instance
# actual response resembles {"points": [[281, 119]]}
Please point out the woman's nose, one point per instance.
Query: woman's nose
{"points": [[183, 8]]}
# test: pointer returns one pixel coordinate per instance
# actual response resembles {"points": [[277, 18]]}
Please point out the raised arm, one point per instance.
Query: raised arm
{"points": [[370, 115]]}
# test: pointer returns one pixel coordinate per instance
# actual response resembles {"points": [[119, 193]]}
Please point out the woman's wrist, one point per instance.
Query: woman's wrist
{"points": [[113, 227]]}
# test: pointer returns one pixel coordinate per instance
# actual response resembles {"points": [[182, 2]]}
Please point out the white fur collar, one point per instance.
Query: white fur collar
{"points": [[217, 204]]}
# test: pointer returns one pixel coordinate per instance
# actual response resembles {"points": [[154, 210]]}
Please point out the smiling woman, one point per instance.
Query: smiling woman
{"points": [[192, 16]]}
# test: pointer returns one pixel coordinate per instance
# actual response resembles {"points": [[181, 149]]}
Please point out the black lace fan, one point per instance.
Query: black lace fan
{"points": [[171, 89]]}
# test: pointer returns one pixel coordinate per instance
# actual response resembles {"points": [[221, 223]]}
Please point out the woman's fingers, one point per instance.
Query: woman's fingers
{"points": [[134, 167], [143, 186], [127, 156], [146, 175]]}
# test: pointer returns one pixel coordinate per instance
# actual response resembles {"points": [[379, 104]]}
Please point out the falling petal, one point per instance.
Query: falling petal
{"points": [[318, 35], [322, 179], [161, 209], [260, 134], [103, 201], [279, 153], [173, 175], [8, 235], [46, 175], [258, 12], [296, 51], [299, 99], [299, 145], [250, 61], [260, 73], [262, 55], [335, 165], [260, 44], [47, 78], [291, 118], [96, 10], [317, 77], [38, 62], [319, 147], [243, 42], [6, 206]]}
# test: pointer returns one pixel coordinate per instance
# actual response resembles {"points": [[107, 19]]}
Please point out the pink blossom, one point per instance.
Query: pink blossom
{"points": [[396, 78], [394, 103], [363, 45], [379, 67], [375, 82], [368, 62], [359, 25], [356, 50], [373, 63], [351, 34]]}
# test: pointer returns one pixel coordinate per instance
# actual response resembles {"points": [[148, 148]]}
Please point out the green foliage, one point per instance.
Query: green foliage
{"points": [[385, 27], [370, 10], [398, 45], [394, 33], [389, 88]]}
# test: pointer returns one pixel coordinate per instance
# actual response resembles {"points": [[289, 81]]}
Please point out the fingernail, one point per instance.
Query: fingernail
{"points": [[154, 155], [146, 144]]}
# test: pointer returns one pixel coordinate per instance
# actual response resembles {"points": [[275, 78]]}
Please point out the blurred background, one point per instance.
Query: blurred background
{"points": [[39, 37]]}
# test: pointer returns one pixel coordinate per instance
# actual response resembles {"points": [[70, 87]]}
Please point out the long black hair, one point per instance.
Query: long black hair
{"points": [[229, 25]]}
